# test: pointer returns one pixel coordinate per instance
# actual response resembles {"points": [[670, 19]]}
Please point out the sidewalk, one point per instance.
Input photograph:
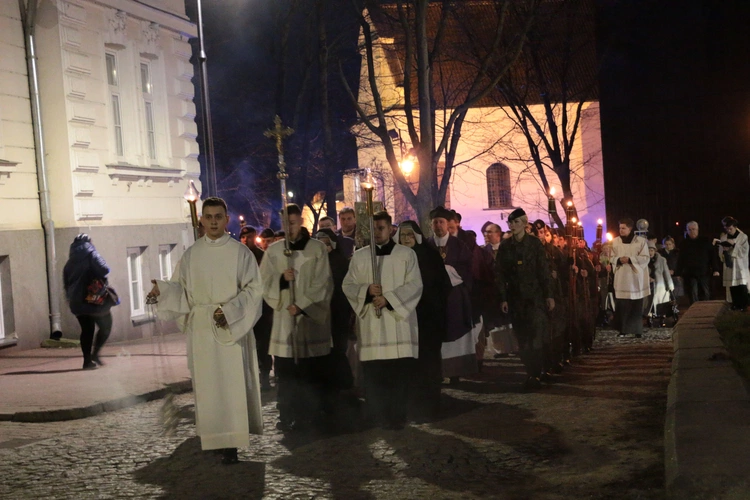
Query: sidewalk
{"points": [[46, 385]]}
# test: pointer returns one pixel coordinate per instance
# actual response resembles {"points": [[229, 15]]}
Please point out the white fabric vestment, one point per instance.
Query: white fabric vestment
{"points": [[395, 333], [224, 367], [662, 281], [631, 280], [313, 288], [738, 273]]}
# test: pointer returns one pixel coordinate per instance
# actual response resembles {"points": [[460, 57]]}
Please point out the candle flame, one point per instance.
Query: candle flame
{"points": [[552, 191], [609, 236], [580, 223], [599, 221], [574, 220], [570, 203]]}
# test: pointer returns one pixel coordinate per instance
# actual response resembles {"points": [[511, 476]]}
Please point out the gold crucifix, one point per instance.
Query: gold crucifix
{"points": [[279, 132]]}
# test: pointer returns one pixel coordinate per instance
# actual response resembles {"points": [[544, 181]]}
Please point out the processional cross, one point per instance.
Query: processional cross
{"points": [[279, 132]]}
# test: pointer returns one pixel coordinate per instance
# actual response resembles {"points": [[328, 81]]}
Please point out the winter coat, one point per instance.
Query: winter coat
{"points": [[662, 280], [83, 266]]}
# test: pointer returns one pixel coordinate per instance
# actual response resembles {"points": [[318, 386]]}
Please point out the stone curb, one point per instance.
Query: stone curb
{"points": [[98, 408], [707, 425]]}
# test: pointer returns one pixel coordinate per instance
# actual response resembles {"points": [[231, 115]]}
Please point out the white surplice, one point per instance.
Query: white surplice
{"points": [[223, 363], [631, 279], [313, 289], [394, 334]]}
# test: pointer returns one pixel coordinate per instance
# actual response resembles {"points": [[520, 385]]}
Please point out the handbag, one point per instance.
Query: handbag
{"points": [[98, 292]]}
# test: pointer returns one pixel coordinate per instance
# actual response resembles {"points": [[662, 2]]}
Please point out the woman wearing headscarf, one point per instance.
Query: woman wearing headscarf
{"points": [[663, 285], [425, 389], [85, 271]]}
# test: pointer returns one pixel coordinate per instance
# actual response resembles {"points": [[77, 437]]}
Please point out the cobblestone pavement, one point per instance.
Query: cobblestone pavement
{"points": [[595, 433]]}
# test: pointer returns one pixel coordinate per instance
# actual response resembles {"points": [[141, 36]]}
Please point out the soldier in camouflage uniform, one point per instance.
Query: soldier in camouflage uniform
{"points": [[524, 287]]}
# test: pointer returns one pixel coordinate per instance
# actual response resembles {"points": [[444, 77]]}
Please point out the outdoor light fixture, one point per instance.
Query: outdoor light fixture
{"points": [[407, 165], [192, 196], [551, 201]]}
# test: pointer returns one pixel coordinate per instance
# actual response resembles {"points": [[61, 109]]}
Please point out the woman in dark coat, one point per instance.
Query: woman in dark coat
{"points": [[425, 397], [84, 266]]}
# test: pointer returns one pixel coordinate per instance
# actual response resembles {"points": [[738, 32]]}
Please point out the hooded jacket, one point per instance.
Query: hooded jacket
{"points": [[84, 264]]}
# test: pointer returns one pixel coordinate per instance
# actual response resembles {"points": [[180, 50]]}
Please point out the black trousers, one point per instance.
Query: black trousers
{"points": [[386, 385], [425, 385], [697, 288], [262, 332], [629, 314], [304, 389], [739, 296], [88, 326]]}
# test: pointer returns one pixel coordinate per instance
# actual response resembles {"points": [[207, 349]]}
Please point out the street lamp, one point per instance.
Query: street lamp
{"points": [[551, 206], [407, 166], [192, 196]]}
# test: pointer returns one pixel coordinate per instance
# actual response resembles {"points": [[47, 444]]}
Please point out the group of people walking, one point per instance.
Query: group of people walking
{"points": [[393, 324]]}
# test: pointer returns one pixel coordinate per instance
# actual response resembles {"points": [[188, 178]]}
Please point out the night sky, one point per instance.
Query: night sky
{"points": [[675, 105], [675, 109]]}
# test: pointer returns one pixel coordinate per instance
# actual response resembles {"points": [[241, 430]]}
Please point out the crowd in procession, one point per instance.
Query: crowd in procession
{"points": [[391, 326]]}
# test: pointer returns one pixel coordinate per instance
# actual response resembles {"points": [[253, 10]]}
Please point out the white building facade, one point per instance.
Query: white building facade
{"points": [[118, 123], [493, 170]]}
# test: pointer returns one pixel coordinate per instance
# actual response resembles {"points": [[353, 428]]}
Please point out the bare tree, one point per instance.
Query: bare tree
{"points": [[429, 44], [557, 70]]}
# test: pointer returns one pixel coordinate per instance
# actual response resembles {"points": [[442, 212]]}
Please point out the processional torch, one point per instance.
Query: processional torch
{"points": [[278, 133], [368, 185]]}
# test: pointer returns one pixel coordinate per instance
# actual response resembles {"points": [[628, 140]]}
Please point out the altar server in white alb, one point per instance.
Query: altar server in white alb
{"points": [[733, 251], [388, 344], [630, 259], [301, 328], [216, 296]]}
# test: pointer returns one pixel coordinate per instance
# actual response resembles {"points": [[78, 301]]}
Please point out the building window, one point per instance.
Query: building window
{"points": [[135, 276], [498, 186], [2, 315], [117, 124], [165, 261], [147, 92], [114, 91], [7, 319]]}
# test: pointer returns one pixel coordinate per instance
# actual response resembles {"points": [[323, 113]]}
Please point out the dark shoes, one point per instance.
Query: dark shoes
{"points": [[265, 382], [89, 365], [532, 384], [96, 359], [229, 456]]}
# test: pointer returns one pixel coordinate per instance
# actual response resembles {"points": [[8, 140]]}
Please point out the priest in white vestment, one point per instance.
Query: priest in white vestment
{"points": [[215, 295], [630, 259], [301, 328], [388, 344]]}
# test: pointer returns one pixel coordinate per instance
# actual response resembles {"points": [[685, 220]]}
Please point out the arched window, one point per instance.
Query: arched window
{"points": [[498, 186]]}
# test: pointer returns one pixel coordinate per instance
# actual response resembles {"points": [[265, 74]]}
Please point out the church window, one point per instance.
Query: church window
{"points": [[498, 186]]}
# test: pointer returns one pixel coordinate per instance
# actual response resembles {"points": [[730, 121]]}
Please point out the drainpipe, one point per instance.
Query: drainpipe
{"points": [[28, 19]]}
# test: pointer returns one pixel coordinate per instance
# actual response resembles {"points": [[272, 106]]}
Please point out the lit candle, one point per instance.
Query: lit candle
{"points": [[599, 230], [580, 229], [609, 237]]}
